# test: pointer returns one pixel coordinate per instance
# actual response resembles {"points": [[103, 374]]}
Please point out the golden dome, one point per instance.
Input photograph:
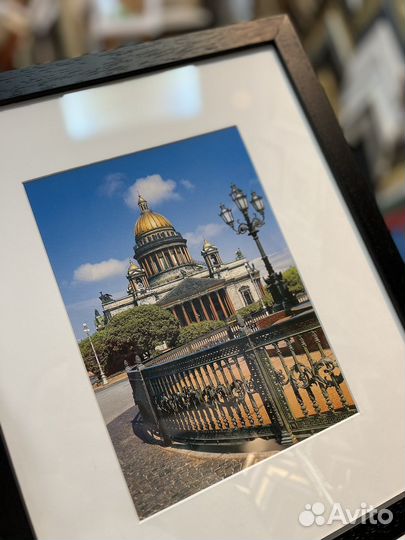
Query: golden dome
{"points": [[149, 221], [208, 246]]}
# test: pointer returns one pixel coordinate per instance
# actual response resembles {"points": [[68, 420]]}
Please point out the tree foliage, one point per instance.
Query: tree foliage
{"points": [[251, 309], [139, 330], [195, 330], [293, 280], [99, 343]]}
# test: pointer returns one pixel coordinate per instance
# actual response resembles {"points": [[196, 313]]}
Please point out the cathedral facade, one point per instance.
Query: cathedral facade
{"points": [[166, 274]]}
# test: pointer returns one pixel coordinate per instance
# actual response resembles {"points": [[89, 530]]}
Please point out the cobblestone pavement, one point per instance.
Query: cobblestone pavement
{"points": [[158, 477]]}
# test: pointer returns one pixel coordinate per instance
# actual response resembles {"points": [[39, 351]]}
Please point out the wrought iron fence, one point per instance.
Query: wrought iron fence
{"points": [[282, 382], [216, 337]]}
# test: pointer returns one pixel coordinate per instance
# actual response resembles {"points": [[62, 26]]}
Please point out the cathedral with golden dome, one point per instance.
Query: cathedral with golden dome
{"points": [[166, 274]]}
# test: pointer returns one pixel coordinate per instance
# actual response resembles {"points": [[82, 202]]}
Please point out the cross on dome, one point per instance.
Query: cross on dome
{"points": [[207, 246], [143, 204]]}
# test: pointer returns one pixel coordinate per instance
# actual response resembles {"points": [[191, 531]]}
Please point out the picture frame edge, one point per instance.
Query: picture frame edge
{"points": [[350, 180], [94, 69]]}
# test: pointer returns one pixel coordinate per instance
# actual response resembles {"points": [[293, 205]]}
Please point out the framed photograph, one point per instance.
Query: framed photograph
{"points": [[202, 308]]}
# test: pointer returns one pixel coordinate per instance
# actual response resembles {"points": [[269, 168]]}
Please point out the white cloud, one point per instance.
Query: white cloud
{"points": [[91, 303], [89, 272], [112, 184], [153, 188], [84, 305], [202, 232], [280, 261], [187, 184]]}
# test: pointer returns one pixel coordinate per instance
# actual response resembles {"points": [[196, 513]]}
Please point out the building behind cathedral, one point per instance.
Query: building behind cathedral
{"points": [[166, 274]]}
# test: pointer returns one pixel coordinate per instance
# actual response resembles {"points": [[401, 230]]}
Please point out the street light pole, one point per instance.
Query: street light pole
{"points": [[283, 298], [254, 234], [86, 330]]}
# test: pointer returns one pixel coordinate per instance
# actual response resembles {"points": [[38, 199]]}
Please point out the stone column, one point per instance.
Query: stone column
{"points": [[186, 255], [197, 317], [221, 304], [166, 258], [147, 267], [179, 314], [214, 311], [173, 258], [156, 263], [180, 255], [204, 310], [177, 256], [185, 314], [228, 302]]}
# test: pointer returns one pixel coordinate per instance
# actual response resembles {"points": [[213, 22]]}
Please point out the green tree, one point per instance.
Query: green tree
{"points": [[139, 330], [293, 280], [99, 343], [195, 330], [251, 309]]}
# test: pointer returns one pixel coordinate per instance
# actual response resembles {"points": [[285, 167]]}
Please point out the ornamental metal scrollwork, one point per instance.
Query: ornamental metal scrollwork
{"points": [[163, 403], [300, 376], [326, 374], [250, 386], [190, 397], [220, 394], [237, 391], [281, 378], [208, 395]]}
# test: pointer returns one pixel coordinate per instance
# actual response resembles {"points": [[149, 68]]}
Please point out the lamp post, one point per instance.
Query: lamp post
{"points": [[283, 299], [86, 330]]}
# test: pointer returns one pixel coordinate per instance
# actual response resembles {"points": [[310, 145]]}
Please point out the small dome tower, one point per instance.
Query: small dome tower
{"points": [[137, 279], [212, 257]]}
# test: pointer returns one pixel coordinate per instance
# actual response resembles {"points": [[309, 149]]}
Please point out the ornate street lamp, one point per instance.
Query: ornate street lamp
{"points": [[283, 299], [86, 330], [257, 203], [239, 198], [226, 215]]}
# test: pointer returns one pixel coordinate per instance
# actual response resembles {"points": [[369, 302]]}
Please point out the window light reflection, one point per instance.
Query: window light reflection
{"points": [[149, 100]]}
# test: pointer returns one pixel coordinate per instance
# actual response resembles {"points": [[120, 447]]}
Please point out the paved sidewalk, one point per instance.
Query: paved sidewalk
{"points": [[114, 400], [158, 477], [114, 379]]}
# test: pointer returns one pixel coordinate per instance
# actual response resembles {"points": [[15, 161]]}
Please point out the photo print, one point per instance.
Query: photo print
{"points": [[197, 333]]}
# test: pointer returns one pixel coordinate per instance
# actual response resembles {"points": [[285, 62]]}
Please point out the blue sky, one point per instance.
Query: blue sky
{"points": [[86, 216]]}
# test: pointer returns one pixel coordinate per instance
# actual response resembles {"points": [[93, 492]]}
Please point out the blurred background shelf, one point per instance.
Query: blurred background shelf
{"points": [[357, 48]]}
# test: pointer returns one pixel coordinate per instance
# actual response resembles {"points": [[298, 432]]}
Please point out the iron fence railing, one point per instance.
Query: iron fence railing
{"points": [[281, 382], [216, 337]]}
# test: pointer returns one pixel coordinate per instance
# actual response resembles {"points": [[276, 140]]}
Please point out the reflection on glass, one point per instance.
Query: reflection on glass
{"points": [[154, 99]]}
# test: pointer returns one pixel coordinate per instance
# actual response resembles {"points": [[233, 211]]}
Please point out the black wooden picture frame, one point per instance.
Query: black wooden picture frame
{"points": [[38, 82]]}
